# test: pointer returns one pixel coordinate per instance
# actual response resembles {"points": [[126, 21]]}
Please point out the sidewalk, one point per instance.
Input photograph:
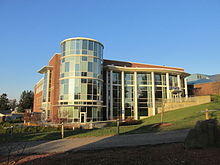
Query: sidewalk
{"points": [[93, 143]]}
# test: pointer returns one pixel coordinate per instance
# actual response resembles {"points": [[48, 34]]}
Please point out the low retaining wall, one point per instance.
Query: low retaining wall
{"points": [[186, 102]]}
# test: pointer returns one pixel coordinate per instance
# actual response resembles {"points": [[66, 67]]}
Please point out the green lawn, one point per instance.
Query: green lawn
{"points": [[180, 119]]}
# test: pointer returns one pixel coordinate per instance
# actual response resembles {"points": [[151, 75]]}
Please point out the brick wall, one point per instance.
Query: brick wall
{"points": [[54, 95], [211, 88], [37, 98]]}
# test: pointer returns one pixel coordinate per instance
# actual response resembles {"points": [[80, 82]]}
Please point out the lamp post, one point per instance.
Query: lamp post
{"points": [[118, 126], [118, 122], [162, 110], [62, 130]]}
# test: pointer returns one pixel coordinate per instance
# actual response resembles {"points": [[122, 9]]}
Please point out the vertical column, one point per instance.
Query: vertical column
{"points": [[123, 95], [179, 81], [135, 97], [47, 96], [107, 98], [111, 95], [186, 88], [168, 85], [153, 94], [179, 86]]}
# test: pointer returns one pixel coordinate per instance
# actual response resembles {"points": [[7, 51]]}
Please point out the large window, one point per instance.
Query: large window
{"points": [[129, 78], [84, 58], [73, 114], [144, 93], [91, 45], [160, 87], [144, 79], [129, 94], [173, 81], [116, 100], [45, 87], [90, 66], [77, 67], [116, 78], [67, 66], [160, 79], [144, 99], [85, 45]]}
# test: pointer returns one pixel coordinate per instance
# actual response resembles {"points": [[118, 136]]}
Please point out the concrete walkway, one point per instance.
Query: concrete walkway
{"points": [[92, 143]]}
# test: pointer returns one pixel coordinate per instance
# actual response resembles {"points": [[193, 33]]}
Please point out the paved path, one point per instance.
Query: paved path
{"points": [[92, 143]]}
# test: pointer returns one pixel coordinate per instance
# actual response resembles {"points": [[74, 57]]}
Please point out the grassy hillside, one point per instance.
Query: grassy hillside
{"points": [[179, 119]]}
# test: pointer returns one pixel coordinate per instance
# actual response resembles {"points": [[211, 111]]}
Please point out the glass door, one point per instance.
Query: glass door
{"points": [[82, 117]]}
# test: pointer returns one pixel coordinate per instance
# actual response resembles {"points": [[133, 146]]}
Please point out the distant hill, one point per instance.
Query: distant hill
{"points": [[215, 77]]}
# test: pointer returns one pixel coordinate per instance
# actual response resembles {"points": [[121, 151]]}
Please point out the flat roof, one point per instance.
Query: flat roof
{"points": [[139, 69], [137, 65]]}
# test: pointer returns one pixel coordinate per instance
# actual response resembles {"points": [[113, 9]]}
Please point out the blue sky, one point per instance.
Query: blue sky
{"points": [[179, 33]]}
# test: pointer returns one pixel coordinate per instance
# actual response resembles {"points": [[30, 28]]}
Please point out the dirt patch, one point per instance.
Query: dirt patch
{"points": [[165, 124], [160, 125], [166, 154]]}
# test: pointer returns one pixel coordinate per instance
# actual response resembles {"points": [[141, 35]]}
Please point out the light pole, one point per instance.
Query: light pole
{"points": [[118, 122], [162, 110]]}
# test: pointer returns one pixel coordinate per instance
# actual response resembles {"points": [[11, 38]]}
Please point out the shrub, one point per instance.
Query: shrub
{"points": [[130, 121], [215, 98], [26, 129]]}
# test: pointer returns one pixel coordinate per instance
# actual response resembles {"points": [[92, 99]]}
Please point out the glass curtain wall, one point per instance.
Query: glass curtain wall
{"points": [[46, 95], [160, 84], [116, 94], [144, 92], [129, 94], [182, 86], [45, 87], [81, 80], [160, 88], [173, 81], [144, 83]]}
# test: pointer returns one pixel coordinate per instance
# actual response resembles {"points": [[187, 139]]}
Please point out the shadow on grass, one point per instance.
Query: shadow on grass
{"points": [[144, 129], [44, 136], [13, 144]]}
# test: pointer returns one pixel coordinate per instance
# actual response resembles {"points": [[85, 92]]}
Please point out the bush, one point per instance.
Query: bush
{"points": [[130, 121], [26, 129], [16, 121], [215, 98]]}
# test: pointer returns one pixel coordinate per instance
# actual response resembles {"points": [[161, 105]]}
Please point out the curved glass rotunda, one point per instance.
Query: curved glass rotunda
{"points": [[80, 94]]}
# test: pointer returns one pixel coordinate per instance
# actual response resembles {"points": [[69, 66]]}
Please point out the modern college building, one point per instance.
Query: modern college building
{"points": [[79, 86]]}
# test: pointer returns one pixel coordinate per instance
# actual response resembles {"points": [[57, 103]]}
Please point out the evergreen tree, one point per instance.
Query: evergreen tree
{"points": [[13, 104], [4, 102], [26, 101]]}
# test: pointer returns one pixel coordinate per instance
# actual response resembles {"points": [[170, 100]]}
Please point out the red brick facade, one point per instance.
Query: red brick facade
{"points": [[38, 96], [54, 89], [211, 88]]}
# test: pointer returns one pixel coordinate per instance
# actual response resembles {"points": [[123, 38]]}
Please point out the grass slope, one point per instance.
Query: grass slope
{"points": [[180, 119]]}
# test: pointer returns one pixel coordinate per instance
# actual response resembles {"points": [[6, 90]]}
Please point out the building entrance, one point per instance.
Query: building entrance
{"points": [[83, 117]]}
